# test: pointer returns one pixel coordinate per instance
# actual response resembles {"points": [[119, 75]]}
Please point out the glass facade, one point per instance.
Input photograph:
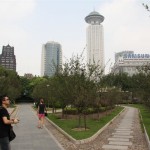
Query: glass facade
{"points": [[51, 58]]}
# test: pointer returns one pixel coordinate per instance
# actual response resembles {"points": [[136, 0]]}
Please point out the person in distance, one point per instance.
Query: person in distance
{"points": [[41, 113]]}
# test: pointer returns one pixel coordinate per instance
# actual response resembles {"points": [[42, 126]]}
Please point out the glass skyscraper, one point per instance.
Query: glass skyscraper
{"points": [[51, 58]]}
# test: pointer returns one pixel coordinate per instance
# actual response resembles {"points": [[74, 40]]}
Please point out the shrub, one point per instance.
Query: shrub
{"points": [[70, 111], [73, 111]]}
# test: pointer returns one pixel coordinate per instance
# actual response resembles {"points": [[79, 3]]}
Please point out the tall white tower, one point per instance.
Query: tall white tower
{"points": [[95, 39]]}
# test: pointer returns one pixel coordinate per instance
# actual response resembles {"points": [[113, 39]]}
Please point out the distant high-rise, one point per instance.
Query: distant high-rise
{"points": [[95, 39], [51, 58], [7, 58], [129, 62]]}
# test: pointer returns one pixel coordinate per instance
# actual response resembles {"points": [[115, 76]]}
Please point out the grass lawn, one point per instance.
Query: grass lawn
{"points": [[145, 112], [93, 125]]}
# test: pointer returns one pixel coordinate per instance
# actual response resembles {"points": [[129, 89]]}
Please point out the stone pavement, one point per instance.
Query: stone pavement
{"points": [[122, 136], [29, 137], [124, 133]]}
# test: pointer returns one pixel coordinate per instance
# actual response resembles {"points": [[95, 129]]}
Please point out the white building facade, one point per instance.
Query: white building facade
{"points": [[128, 62], [95, 39], [51, 58]]}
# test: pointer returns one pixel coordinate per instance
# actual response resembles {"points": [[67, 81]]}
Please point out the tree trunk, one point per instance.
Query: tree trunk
{"points": [[66, 114], [53, 110], [62, 112], [85, 121], [98, 114], [79, 121]]}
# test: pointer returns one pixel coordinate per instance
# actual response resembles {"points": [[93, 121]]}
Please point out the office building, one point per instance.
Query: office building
{"points": [[7, 58], [129, 62], [95, 39], [51, 58]]}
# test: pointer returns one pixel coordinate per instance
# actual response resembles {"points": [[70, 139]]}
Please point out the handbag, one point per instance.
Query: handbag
{"points": [[45, 113], [12, 134]]}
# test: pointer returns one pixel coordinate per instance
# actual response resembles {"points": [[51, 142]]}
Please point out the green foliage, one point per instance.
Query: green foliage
{"points": [[131, 87], [29, 84], [84, 86], [70, 111], [10, 84], [122, 81], [73, 111]]}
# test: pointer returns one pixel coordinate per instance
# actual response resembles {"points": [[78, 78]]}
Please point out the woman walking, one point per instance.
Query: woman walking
{"points": [[41, 113], [5, 123]]}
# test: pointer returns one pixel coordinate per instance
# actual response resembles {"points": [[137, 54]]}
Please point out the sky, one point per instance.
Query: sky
{"points": [[27, 24]]}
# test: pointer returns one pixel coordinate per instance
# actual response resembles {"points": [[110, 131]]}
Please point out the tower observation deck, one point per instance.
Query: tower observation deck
{"points": [[94, 18]]}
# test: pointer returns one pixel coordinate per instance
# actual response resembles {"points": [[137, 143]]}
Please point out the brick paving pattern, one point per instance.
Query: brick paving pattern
{"points": [[29, 137]]}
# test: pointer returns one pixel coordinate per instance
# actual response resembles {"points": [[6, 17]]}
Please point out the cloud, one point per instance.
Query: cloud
{"points": [[15, 9], [126, 27]]}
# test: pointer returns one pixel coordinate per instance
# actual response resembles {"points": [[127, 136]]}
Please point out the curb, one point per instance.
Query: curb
{"points": [[62, 131], [84, 140], [145, 132]]}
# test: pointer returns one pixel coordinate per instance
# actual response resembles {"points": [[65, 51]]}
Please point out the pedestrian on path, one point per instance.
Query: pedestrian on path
{"points": [[41, 113], [5, 123]]}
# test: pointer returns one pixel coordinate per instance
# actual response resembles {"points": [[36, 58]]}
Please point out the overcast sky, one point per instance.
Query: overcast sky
{"points": [[27, 24]]}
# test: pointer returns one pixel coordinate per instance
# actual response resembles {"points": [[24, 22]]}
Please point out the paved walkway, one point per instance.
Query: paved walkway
{"points": [[29, 137], [122, 136], [124, 133]]}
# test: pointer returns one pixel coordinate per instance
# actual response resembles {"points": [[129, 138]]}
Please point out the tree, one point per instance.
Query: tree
{"points": [[81, 85], [10, 84], [146, 7]]}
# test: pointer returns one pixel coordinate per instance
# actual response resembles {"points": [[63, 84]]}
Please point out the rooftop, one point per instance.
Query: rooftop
{"points": [[94, 16]]}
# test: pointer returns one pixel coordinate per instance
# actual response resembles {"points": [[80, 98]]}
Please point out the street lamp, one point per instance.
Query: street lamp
{"points": [[47, 94]]}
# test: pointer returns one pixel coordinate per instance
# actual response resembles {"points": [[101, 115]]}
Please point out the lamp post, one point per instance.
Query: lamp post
{"points": [[131, 96], [47, 94]]}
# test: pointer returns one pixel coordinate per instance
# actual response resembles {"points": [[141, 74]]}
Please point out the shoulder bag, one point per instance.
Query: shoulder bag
{"points": [[12, 134]]}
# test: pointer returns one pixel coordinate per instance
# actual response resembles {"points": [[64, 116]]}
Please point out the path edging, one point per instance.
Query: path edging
{"points": [[87, 139], [145, 132]]}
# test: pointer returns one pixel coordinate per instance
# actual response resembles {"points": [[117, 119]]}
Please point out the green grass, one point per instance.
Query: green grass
{"points": [[145, 113], [93, 125]]}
